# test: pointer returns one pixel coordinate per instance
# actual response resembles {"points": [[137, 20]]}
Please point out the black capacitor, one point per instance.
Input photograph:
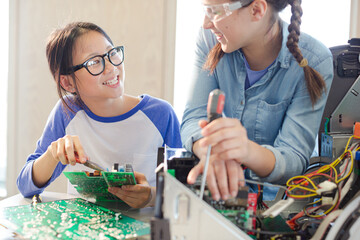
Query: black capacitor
{"points": [[116, 167]]}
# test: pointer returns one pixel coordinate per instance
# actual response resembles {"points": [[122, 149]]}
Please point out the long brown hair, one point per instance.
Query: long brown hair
{"points": [[314, 81]]}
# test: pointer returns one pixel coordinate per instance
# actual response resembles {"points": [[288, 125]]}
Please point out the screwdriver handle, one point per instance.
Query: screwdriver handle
{"points": [[215, 104]]}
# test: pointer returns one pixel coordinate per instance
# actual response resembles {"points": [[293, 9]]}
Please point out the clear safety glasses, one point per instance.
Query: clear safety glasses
{"points": [[218, 12]]}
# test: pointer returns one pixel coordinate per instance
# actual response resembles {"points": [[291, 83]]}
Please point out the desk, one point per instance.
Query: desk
{"points": [[139, 214]]}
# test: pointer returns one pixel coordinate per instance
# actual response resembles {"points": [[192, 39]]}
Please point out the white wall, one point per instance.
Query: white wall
{"points": [[355, 19], [145, 28]]}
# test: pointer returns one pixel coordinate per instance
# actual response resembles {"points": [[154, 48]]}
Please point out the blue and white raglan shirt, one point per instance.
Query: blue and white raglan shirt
{"points": [[133, 137]]}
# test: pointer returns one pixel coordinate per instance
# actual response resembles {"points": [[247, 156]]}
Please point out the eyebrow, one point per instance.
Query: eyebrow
{"points": [[108, 48]]}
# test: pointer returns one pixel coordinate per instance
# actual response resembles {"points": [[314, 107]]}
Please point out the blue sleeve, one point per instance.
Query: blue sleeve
{"points": [[202, 83], [164, 118], [54, 129]]}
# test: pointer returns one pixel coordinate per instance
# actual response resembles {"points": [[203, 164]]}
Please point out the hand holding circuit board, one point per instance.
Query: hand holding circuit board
{"points": [[136, 196], [122, 183], [95, 184]]}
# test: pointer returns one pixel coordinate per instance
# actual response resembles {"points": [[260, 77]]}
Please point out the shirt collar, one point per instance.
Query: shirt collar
{"points": [[284, 56]]}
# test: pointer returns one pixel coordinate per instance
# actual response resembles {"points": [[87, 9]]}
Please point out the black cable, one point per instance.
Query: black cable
{"points": [[159, 196], [264, 232]]}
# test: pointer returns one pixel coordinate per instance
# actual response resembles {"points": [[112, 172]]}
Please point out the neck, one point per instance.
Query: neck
{"points": [[113, 107], [261, 53]]}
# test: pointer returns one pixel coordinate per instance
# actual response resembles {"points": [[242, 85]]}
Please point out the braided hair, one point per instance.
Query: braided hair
{"points": [[314, 81]]}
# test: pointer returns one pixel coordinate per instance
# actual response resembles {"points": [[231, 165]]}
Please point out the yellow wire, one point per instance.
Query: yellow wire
{"points": [[302, 176], [326, 212], [351, 168], [319, 200], [331, 166], [302, 196], [323, 169], [301, 187], [335, 172]]}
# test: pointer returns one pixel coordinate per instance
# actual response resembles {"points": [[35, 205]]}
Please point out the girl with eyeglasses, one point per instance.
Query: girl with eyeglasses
{"points": [[276, 81], [94, 118]]}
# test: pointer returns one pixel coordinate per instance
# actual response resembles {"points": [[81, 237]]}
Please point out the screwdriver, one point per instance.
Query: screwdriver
{"points": [[215, 108], [89, 164]]}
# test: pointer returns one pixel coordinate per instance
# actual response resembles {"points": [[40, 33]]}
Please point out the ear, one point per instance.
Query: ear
{"points": [[67, 83], [258, 9]]}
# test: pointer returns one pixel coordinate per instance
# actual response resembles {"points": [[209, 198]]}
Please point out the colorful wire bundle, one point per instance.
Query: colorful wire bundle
{"points": [[309, 185]]}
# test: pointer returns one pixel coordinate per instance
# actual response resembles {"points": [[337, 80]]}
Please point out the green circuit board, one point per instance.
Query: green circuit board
{"points": [[117, 179], [97, 186], [70, 219]]}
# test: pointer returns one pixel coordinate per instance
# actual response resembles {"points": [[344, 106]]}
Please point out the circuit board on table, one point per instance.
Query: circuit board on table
{"points": [[95, 185], [70, 219]]}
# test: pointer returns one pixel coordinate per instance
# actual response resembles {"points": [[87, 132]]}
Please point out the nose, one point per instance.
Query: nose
{"points": [[109, 67], [207, 22]]}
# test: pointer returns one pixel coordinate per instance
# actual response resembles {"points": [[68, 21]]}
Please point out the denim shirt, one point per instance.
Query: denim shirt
{"points": [[276, 111]]}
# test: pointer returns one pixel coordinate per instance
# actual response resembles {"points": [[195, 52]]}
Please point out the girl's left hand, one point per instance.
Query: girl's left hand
{"points": [[230, 149], [228, 139], [136, 196]]}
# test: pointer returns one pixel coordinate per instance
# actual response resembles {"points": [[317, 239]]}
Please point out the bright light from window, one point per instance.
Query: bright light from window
{"points": [[4, 49], [325, 20], [188, 20]]}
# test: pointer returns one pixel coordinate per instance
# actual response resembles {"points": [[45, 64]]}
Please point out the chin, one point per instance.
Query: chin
{"points": [[227, 49]]}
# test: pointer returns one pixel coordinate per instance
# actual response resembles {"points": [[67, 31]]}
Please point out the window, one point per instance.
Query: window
{"points": [[4, 49], [326, 20]]}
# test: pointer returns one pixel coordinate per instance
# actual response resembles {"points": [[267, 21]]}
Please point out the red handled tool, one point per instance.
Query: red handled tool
{"points": [[214, 110], [89, 164]]}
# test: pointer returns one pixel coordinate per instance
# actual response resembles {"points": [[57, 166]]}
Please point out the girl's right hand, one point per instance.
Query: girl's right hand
{"points": [[67, 150]]}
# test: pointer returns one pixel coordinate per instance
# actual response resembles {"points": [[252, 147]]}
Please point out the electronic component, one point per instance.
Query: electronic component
{"points": [[70, 219], [117, 179], [193, 218], [251, 209], [95, 185], [274, 210], [35, 200], [115, 167], [90, 186], [179, 161], [160, 228]]}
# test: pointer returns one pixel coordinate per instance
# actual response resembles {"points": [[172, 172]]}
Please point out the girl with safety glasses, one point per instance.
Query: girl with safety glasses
{"points": [[276, 82], [94, 118]]}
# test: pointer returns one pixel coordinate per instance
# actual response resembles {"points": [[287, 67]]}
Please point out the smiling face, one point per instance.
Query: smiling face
{"points": [[108, 85], [235, 31]]}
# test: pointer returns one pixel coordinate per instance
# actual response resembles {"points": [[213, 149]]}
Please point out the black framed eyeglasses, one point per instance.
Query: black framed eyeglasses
{"points": [[96, 65]]}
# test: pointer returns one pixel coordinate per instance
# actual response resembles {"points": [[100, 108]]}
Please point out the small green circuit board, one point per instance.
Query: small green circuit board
{"points": [[117, 179], [278, 223], [97, 186], [70, 219], [239, 216]]}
